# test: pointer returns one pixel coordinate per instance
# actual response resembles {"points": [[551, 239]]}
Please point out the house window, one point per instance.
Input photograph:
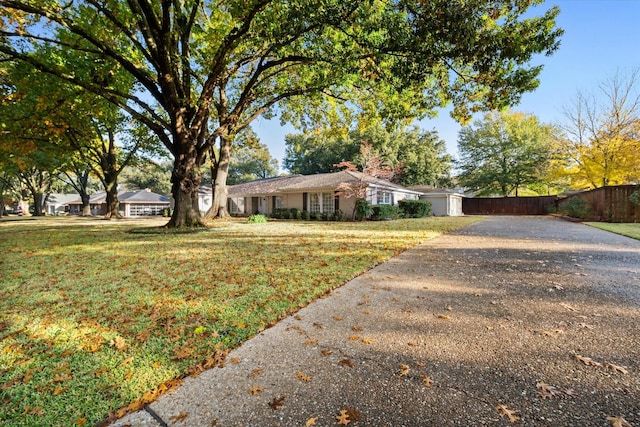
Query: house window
{"points": [[385, 198], [315, 203], [236, 205], [277, 202], [321, 203], [328, 203]]}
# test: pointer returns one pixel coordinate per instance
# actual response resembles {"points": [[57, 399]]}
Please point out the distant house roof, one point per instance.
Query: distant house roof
{"points": [[61, 199], [427, 189], [137, 196], [317, 182]]}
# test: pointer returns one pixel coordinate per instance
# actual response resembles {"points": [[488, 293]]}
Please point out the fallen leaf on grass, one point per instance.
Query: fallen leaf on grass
{"points": [[318, 325], [338, 318], [183, 353], [256, 390], [443, 317], [311, 342], [618, 422], [356, 329], [354, 338], [368, 340], [311, 422], [119, 343], [303, 377], [404, 370], [616, 368], [326, 352], [59, 390], [276, 402], [510, 413], [180, 417]]}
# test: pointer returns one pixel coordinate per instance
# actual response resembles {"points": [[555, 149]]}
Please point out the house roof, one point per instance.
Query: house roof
{"points": [[430, 191], [61, 198], [137, 196], [317, 182]]}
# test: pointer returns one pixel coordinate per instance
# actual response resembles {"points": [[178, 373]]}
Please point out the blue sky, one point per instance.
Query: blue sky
{"points": [[601, 37]]}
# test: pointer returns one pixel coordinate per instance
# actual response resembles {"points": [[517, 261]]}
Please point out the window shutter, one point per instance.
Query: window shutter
{"points": [[305, 197], [336, 203], [273, 203]]}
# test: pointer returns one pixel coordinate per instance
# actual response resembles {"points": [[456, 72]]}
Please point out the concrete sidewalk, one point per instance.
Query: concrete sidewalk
{"points": [[536, 320]]}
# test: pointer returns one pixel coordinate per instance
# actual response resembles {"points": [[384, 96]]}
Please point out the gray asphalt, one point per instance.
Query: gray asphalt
{"points": [[514, 320]]}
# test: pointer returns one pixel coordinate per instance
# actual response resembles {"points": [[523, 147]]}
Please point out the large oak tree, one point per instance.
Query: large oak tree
{"points": [[205, 69]]}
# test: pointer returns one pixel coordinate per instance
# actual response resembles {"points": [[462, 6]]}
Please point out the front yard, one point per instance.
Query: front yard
{"points": [[94, 317], [626, 229]]}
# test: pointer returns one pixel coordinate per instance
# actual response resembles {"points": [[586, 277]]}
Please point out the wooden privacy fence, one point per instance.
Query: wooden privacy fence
{"points": [[611, 204], [541, 205]]}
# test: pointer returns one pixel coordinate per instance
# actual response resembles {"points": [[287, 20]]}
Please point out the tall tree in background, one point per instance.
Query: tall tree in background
{"points": [[601, 134], [504, 152], [249, 163], [419, 155], [318, 151], [205, 70], [148, 174]]}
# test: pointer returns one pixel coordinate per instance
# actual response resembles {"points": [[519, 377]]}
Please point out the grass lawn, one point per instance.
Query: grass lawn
{"points": [[626, 229], [95, 318]]}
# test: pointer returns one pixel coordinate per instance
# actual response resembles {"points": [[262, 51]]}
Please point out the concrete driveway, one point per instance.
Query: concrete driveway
{"points": [[526, 320]]}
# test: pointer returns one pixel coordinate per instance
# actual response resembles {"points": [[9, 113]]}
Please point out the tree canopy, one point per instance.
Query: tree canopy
{"points": [[419, 155], [204, 70], [601, 134], [504, 152]]}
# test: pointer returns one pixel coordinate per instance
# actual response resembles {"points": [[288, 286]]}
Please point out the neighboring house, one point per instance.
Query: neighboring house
{"points": [[58, 203], [132, 203], [313, 193], [443, 202]]}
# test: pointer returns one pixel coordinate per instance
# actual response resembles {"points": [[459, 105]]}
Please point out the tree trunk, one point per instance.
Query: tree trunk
{"points": [[38, 201], [111, 187], [185, 182], [219, 188], [86, 206]]}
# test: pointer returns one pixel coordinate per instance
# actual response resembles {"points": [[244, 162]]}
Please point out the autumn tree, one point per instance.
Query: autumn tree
{"points": [[205, 70], [369, 166], [42, 114], [504, 152], [601, 134]]}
